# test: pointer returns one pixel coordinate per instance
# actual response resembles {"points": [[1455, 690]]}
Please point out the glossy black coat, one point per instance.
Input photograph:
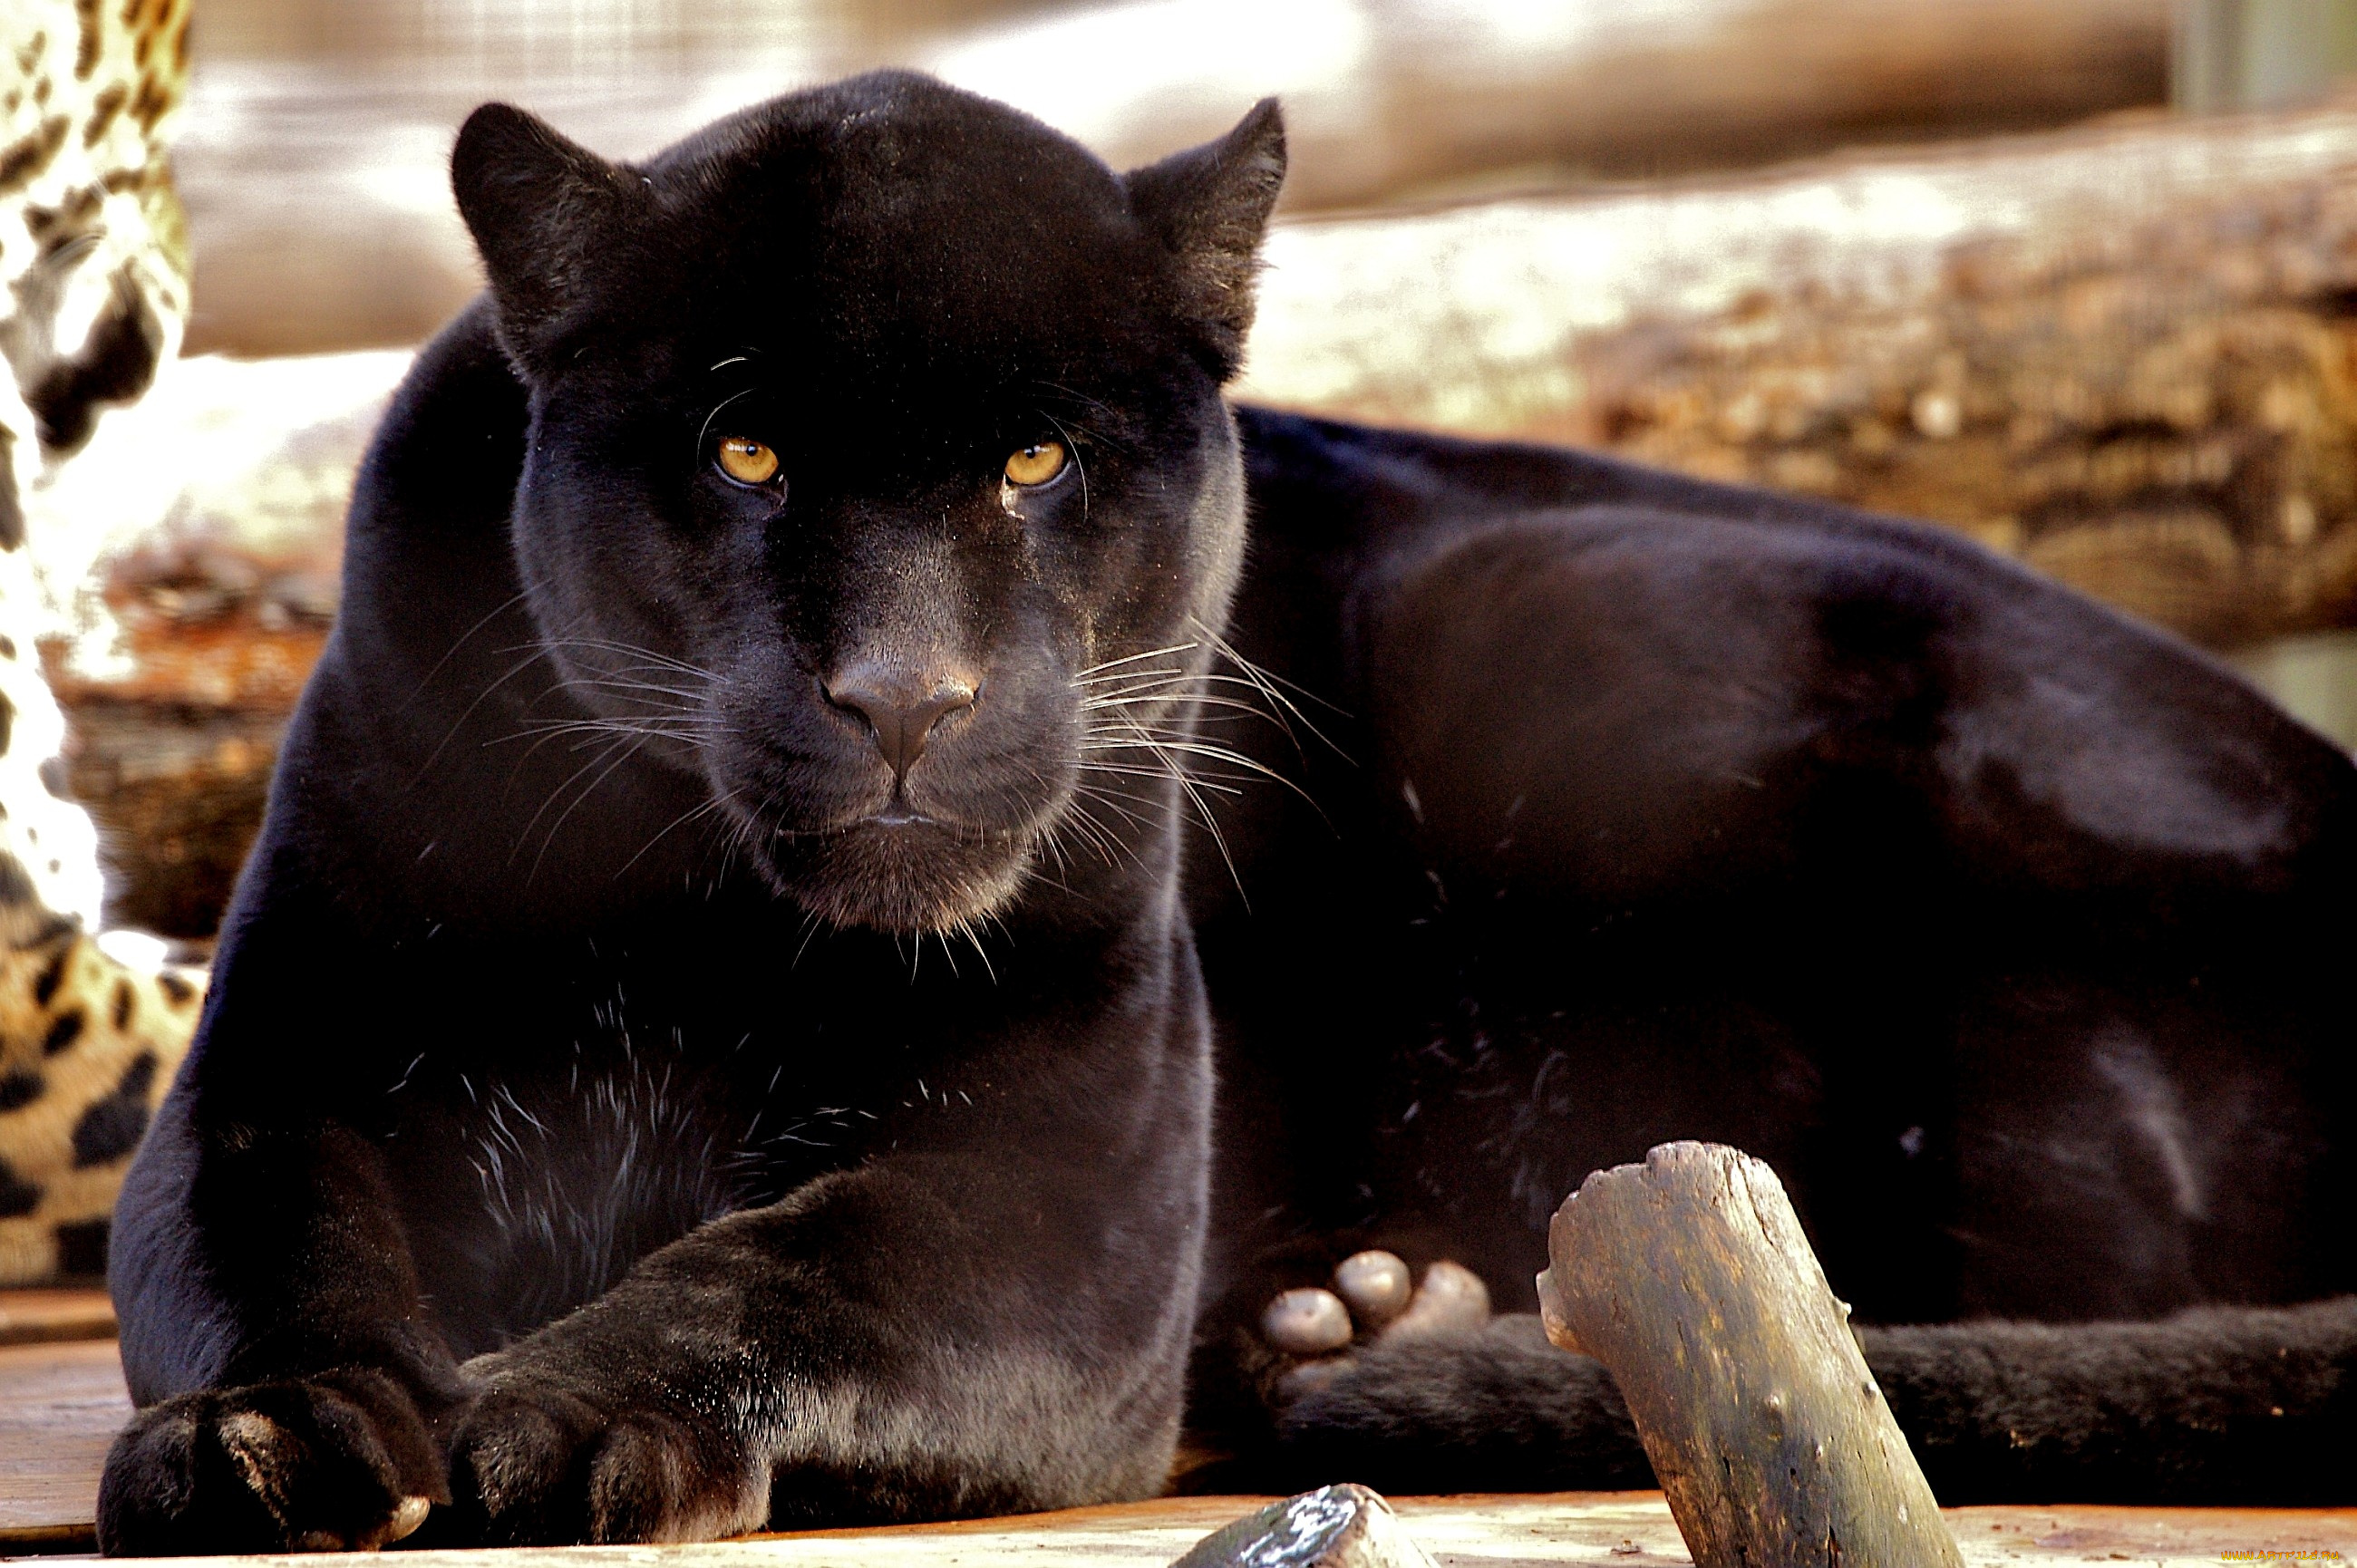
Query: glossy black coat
{"points": [[593, 958]]}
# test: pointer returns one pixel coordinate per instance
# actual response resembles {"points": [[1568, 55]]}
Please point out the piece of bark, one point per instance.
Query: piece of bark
{"points": [[1344, 1526], [1689, 1278]]}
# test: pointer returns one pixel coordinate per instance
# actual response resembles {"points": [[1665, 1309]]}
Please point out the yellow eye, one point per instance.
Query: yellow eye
{"points": [[1036, 463], [746, 461]]}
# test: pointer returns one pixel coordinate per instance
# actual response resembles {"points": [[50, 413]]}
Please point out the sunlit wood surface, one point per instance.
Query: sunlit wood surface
{"points": [[61, 1402], [59, 1406]]}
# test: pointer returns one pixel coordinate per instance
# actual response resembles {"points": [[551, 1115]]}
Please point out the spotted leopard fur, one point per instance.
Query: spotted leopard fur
{"points": [[93, 295]]}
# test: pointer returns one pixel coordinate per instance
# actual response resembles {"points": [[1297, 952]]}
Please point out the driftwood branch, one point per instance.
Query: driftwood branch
{"points": [[1689, 1278]]}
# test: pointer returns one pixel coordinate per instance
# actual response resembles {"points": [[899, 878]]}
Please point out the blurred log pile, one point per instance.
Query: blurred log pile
{"points": [[212, 610], [2125, 354], [312, 155]]}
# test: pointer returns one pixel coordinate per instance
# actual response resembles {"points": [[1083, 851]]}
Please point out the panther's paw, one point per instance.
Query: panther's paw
{"points": [[337, 1462], [1371, 1300], [541, 1460]]}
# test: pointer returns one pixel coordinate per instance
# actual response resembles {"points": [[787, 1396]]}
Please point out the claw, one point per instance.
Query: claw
{"points": [[407, 1515]]}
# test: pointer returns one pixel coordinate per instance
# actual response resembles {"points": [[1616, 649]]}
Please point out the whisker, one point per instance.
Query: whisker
{"points": [[708, 418], [1267, 681], [610, 645], [620, 744], [558, 826], [1134, 658], [1171, 771], [459, 722], [1073, 448], [714, 804], [464, 638]]}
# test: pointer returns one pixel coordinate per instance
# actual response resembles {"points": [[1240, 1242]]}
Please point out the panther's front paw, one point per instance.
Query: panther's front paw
{"points": [[1371, 1300], [337, 1462], [541, 1460]]}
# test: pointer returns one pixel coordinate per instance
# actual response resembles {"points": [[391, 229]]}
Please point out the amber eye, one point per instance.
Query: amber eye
{"points": [[1036, 463], [746, 461]]}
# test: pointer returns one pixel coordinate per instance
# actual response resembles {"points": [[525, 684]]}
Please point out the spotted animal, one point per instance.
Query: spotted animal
{"points": [[94, 297]]}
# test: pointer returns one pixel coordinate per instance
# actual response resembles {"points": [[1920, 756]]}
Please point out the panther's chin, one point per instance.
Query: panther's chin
{"points": [[901, 871]]}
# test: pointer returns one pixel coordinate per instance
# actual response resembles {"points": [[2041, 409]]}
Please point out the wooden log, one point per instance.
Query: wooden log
{"points": [[2123, 355], [1689, 1278], [213, 513]]}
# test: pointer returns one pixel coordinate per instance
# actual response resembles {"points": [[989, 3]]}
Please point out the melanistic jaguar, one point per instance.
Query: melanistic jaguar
{"points": [[870, 870]]}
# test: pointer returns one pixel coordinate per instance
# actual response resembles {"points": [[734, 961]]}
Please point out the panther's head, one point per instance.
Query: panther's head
{"points": [[878, 471]]}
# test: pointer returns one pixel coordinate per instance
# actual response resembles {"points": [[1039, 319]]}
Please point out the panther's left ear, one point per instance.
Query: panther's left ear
{"points": [[544, 212], [1209, 205]]}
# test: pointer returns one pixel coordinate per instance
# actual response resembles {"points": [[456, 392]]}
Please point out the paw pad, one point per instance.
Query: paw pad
{"points": [[1371, 1298], [1310, 1322]]}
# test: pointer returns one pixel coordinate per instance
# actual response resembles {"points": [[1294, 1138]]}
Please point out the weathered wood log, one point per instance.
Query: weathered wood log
{"points": [[1689, 1278], [2124, 355]]}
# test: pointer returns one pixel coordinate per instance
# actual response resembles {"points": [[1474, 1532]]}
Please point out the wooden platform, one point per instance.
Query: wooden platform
{"points": [[62, 1400]]}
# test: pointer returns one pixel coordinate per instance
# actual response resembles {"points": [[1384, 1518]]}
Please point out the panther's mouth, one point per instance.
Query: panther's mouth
{"points": [[901, 870]]}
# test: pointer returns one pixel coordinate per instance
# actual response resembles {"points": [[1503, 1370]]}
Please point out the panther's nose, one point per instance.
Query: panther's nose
{"points": [[900, 706]]}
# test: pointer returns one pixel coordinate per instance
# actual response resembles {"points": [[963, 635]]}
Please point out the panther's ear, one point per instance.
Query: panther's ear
{"points": [[1210, 205], [543, 211]]}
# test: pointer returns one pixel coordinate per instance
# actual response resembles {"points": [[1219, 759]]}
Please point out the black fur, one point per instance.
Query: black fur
{"points": [[630, 1106]]}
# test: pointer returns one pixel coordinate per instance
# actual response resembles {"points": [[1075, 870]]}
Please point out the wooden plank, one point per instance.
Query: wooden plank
{"points": [[1626, 1528], [38, 1317], [59, 1406]]}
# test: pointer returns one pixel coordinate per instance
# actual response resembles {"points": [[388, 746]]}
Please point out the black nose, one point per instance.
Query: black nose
{"points": [[901, 706]]}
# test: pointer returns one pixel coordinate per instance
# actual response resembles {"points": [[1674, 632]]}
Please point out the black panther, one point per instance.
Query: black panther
{"points": [[831, 927]]}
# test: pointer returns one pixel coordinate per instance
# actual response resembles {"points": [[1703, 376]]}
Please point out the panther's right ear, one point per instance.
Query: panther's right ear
{"points": [[1209, 206], [543, 211]]}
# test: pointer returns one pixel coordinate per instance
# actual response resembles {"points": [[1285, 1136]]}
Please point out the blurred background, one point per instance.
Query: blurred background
{"points": [[2076, 277], [313, 144]]}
